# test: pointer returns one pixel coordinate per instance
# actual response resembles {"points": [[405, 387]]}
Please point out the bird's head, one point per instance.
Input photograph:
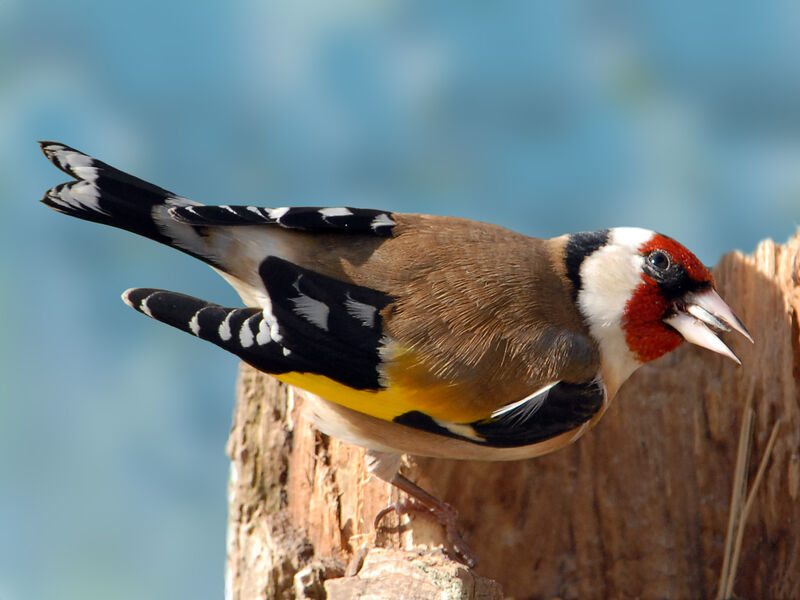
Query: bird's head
{"points": [[642, 294]]}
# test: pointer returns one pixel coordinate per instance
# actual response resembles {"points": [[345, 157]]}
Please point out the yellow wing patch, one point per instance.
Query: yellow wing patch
{"points": [[410, 387]]}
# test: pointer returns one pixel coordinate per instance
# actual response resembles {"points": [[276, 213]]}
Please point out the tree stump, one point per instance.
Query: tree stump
{"points": [[638, 508]]}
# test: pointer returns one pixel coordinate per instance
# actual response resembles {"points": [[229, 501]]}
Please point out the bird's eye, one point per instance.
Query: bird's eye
{"points": [[659, 259]]}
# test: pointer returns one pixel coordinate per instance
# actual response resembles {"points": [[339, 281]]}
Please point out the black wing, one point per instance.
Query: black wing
{"points": [[554, 411], [303, 218], [312, 324]]}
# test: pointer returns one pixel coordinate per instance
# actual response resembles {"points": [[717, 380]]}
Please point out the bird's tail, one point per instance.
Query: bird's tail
{"points": [[250, 246], [222, 236], [103, 194]]}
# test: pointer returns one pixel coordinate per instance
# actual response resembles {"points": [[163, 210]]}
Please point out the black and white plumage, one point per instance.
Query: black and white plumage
{"points": [[300, 218], [314, 324]]}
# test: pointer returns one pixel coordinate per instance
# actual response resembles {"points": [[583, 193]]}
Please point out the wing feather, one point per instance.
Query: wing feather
{"points": [[559, 409]]}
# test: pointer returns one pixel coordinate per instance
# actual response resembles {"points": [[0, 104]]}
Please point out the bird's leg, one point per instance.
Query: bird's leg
{"points": [[420, 501]]}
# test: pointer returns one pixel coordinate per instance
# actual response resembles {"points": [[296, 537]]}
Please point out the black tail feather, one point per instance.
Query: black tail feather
{"points": [[104, 194]]}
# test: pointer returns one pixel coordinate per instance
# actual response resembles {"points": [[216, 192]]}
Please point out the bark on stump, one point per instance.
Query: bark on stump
{"points": [[638, 508]]}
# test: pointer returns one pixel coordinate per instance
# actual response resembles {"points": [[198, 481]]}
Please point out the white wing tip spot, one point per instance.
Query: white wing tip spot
{"points": [[246, 334], [312, 310], [225, 328], [382, 220], [277, 213], [126, 297], [194, 323], [337, 211], [365, 313], [263, 337], [144, 308], [180, 201], [462, 429]]}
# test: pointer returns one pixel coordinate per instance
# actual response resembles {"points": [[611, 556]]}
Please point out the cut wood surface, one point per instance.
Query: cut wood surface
{"points": [[638, 508]]}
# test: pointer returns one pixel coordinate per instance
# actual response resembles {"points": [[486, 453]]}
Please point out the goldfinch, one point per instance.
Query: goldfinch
{"points": [[428, 335]]}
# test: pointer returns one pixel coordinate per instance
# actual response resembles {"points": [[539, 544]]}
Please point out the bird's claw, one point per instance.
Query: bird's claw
{"points": [[445, 515]]}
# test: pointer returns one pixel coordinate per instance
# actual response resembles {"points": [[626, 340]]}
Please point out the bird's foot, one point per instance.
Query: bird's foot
{"points": [[418, 501]]}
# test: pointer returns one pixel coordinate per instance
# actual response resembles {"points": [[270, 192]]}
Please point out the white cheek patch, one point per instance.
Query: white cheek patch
{"points": [[609, 277], [610, 274]]}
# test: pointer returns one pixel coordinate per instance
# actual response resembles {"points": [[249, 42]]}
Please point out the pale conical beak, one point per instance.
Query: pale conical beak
{"points": [[700, 316]]}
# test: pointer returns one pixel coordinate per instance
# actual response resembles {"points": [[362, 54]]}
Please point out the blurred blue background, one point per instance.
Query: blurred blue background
{"points": [[544, 117]]}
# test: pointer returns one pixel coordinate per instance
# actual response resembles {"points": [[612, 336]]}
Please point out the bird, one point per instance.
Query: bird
{"points": [[428, 335]]}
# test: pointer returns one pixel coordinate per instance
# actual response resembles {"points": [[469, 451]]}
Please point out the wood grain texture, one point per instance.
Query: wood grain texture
{"points": [[400, 575], [636, 509]]}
